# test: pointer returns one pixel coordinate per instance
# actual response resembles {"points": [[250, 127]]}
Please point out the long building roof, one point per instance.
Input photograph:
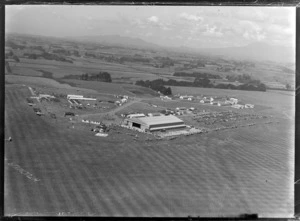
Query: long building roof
{"points": [[156, 120]]}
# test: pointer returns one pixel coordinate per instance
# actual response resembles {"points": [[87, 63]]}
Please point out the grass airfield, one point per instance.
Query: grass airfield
{"points": [[52, 169]]}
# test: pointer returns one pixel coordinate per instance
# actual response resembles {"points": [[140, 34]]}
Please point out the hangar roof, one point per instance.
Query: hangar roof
{"points": [[156, 120]]}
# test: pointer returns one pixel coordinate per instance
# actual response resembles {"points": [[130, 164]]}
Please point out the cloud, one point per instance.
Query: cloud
{"points": [[153, 19], [148, 34], [211, 31], [252, 26], [250, 13], [278, 29], [254, 36], [190, 17]]}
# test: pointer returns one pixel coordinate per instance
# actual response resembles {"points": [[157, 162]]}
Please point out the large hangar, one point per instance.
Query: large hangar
{"points": [[155, 123]]}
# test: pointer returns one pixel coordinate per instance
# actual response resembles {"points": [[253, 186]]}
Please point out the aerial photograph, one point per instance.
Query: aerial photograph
{"points": [[149, 111]]}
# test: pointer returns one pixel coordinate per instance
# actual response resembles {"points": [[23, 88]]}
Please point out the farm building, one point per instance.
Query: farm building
{"points": [[80, 97], [249, 105], [180, 108], [223, 103], [135, 115], [154, 114], [155, 123], [72, 96], [204, 101], [238, 106], [165, 98], [45, 96], [234, 100], [208, 98], [83, 98], [186, 97]]}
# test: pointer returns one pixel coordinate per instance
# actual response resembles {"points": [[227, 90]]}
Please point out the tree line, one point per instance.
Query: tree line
{"points": [[47, 56], [243, 78], [197, 74], [102, 76], [158, 85]]}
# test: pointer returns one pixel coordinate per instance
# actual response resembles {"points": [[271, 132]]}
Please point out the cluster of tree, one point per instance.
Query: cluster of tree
{"points": [[288, 86], [287, 70], [47, 74], [172, 82], [247, 87], [40, 48], [7, 67], [9, 55], [197, 74], [243, 63], [243, 78], [120, 60], [164, 62], [200, 82], [66, 52], [253, 85], [62, 52], [16, 58], [14, 45], [133, 59], [47, 56], [109, 58], [194, 64], [31, 56], [76, 53], [102, 76], [227, 69], [90, 55], [156, 85]]}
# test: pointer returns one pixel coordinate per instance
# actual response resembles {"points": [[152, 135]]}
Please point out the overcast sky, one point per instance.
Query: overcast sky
{"points": [[189, 26]]}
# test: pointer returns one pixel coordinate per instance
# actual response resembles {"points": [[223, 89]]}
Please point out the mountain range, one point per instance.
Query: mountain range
{"points": [[117, 40], [254, 51]]}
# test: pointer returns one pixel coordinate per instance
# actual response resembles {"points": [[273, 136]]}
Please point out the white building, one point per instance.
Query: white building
{"points": [[234, 100], [249, 105], [238, 106], [135, 115], [155, 123], [45, 96], [72, 96]]}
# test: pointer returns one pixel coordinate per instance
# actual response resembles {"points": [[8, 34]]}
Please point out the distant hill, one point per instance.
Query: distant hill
{"points": [[255, 51], [117, 40]]}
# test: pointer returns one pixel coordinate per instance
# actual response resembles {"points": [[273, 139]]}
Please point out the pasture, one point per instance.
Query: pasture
{"points": [[81, 66], [281, 103], [51, 169], [140, 107], [113, 88]]}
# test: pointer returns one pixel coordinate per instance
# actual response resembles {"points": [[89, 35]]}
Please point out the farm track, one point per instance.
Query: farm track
{"points": [[223, 173]]}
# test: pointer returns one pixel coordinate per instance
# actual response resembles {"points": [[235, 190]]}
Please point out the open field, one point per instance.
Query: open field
{"points": [[112, 88], [62, 69], [242, 162], [47, 83], [52, 169], [140, 107], [272, 102]]}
